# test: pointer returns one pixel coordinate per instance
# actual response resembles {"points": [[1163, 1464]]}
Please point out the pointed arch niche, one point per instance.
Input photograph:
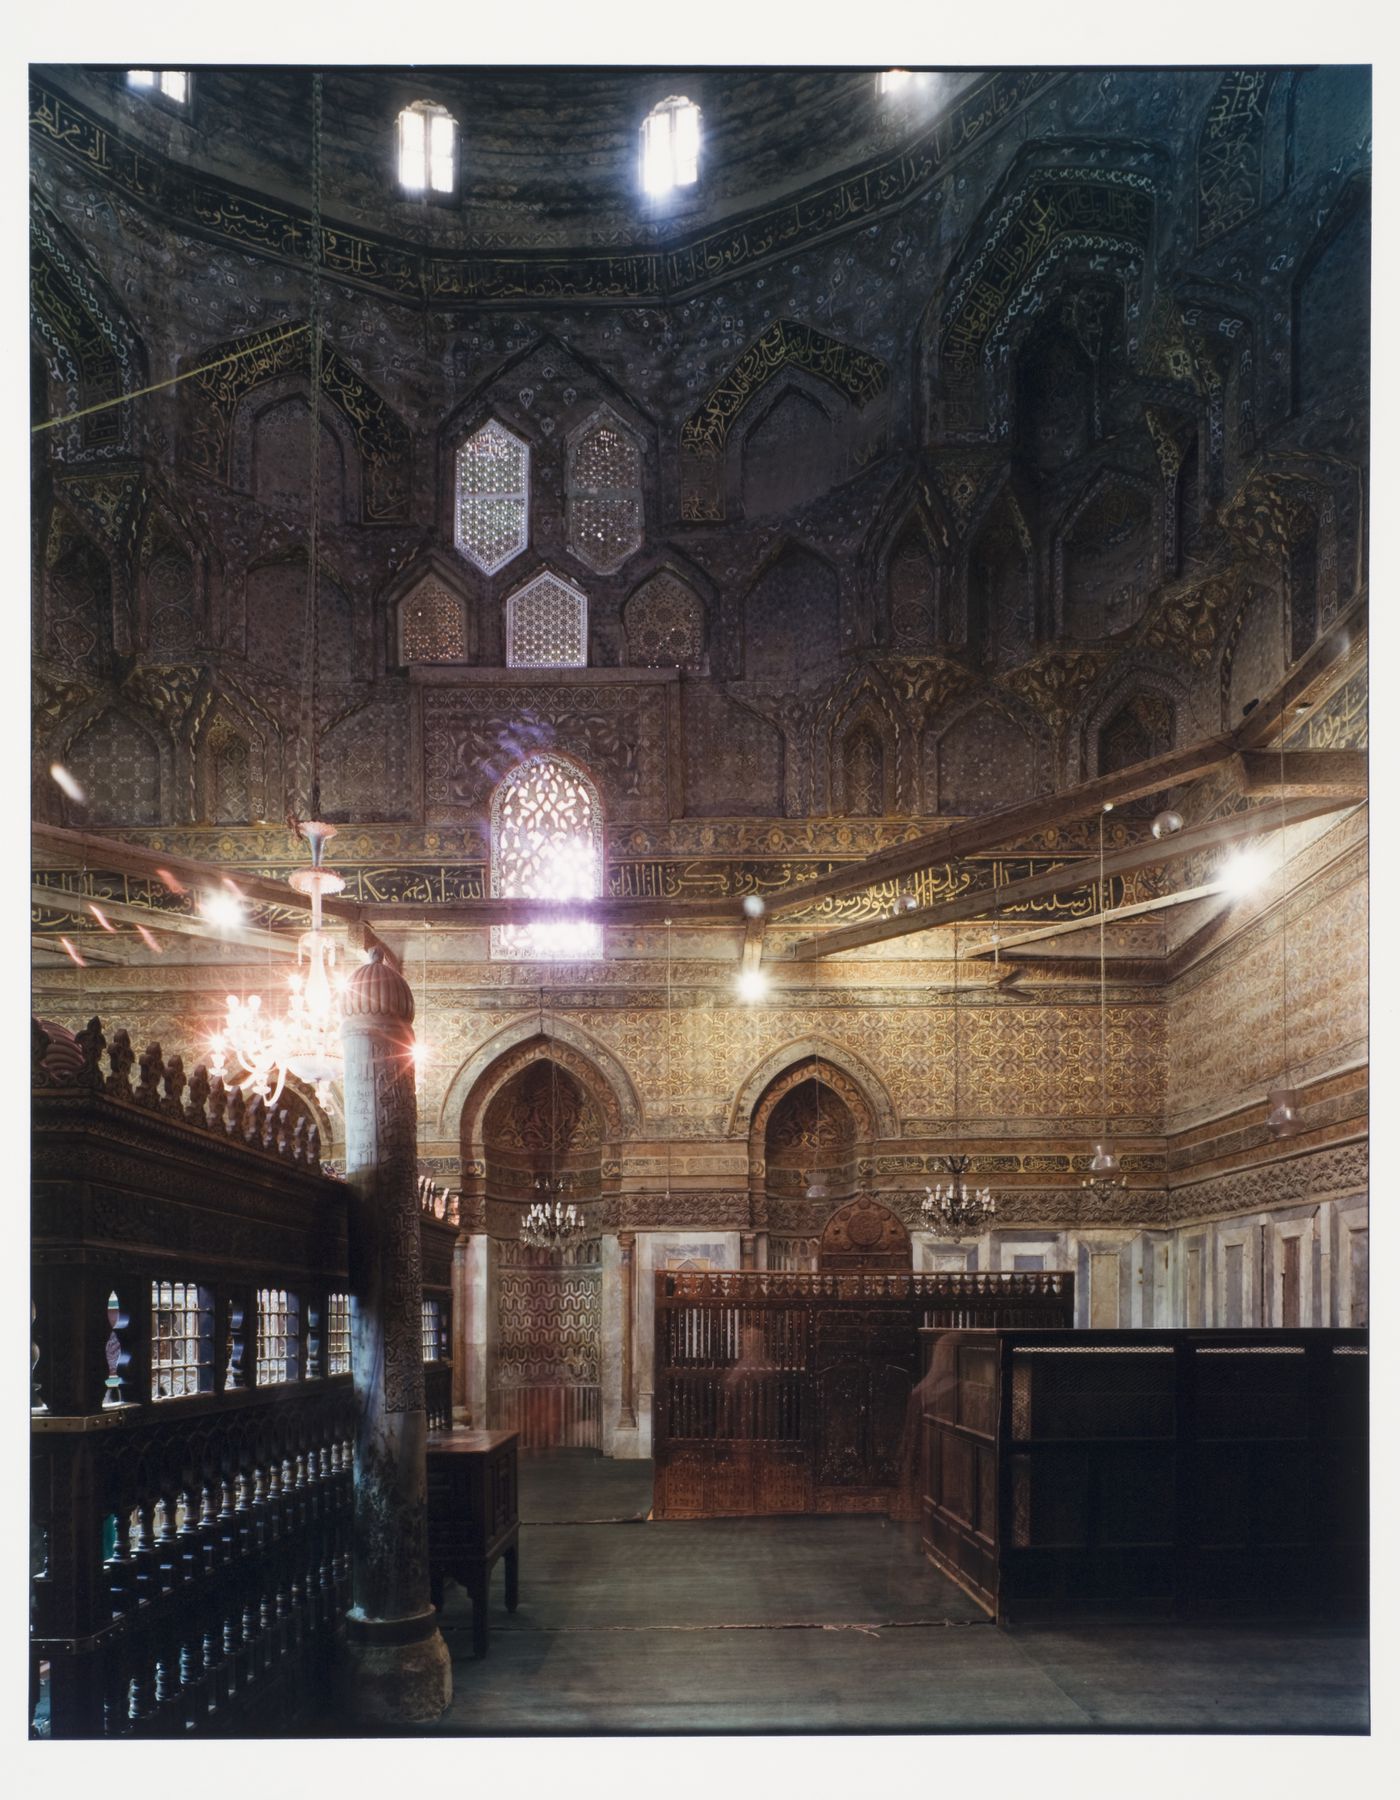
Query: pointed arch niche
{"points": [[790, 451], [432, 623], [664, 624], [792, 632], [544, 1344], [172, 600], [231, 770], [119, 765], [540, 1097], [982, 760], [1000, 585], [913, 589], [77, 618], [864, 778], [603, 492]]}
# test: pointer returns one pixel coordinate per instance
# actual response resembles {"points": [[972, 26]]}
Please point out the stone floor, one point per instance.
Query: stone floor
{"points": [[833, 1625]]}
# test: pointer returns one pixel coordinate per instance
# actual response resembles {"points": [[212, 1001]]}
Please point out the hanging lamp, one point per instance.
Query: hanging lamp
{"points": [[256, 1047], [670, 1087], [551, 1222], [818, 1187], [1104, 1179], [1284, 1116], [955, 1209]]}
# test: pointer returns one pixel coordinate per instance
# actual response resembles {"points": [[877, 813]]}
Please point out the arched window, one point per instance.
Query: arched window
{"points": [[493, 497], [547, 843], [604, 488], [427, 149], [432, 624], [670, 145], [664, 623], [547, 625]]}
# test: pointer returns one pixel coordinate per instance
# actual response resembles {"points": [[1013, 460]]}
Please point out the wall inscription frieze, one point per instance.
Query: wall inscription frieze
{"points": [[251, 223], [444, 884]]}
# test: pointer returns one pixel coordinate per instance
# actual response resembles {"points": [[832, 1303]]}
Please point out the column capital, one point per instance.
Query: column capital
{"points": [[377, 991]]}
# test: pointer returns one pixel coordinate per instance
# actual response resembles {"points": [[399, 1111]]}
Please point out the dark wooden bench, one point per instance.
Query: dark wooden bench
{"points": [[473, 1518]]}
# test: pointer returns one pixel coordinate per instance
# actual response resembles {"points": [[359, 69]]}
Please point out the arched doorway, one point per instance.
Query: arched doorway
{"points": [[544, 1349]]}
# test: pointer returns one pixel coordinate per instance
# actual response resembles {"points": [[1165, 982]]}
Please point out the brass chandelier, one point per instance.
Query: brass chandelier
{"points": [[1104, 1179], [551, 1222], [254, 1046]]}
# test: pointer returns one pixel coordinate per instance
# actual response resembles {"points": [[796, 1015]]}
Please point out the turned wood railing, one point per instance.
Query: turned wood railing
{"points": [[439, 1214], [778, 1392], [192, 1407]]}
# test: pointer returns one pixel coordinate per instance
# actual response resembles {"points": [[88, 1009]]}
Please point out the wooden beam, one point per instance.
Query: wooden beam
{"points": [[1306, 675], [1010, 824], [249, 937], [41, 940], [84, 849], [991, 831], [519, 910], [1208, 836], [1137, 910], [1303, 774]]}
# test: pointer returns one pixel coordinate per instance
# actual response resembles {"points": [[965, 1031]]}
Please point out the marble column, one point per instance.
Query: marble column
{"points": [[399, 1670]]}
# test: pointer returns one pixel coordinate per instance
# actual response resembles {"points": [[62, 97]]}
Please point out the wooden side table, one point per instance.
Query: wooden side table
{"points": [[473, 1518]]}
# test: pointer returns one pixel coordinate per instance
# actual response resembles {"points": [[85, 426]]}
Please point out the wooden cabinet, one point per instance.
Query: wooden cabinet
{"points": [[473, 1517]]}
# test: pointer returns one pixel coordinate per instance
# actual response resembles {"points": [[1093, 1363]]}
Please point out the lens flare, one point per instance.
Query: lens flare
{"points": [[222, 910]]}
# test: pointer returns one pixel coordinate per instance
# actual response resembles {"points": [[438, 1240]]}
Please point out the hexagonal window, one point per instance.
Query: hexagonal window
{"points": [[547, 625], [493, 497]]}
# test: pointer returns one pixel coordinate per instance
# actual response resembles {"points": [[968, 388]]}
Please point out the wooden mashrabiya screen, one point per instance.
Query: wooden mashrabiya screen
{"points": [[796, 1393]]}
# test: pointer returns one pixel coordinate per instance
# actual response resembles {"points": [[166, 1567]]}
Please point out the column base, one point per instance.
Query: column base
{"points": [[396, 1683]]}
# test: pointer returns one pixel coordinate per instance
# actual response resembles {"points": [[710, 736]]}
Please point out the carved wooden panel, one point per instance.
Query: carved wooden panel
{"points": [[865, 1235], [474, 734], [546, 1356], [780, 1392]]}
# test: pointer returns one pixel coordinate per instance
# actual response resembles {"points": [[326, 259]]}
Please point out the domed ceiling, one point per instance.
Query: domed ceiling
{"points": [[549, 157]]}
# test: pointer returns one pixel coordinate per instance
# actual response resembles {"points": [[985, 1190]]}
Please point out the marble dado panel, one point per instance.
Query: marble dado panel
{"points": [[1226, 1022], [472, 734]]}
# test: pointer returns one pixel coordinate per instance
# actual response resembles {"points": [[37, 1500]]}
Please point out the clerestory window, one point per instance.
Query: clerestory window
{"points": [[170, 84], [427, 149], [670, 145]]}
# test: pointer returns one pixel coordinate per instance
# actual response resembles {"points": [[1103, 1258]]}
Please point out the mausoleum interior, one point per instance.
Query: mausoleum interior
{"points": [[699, 911]]}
